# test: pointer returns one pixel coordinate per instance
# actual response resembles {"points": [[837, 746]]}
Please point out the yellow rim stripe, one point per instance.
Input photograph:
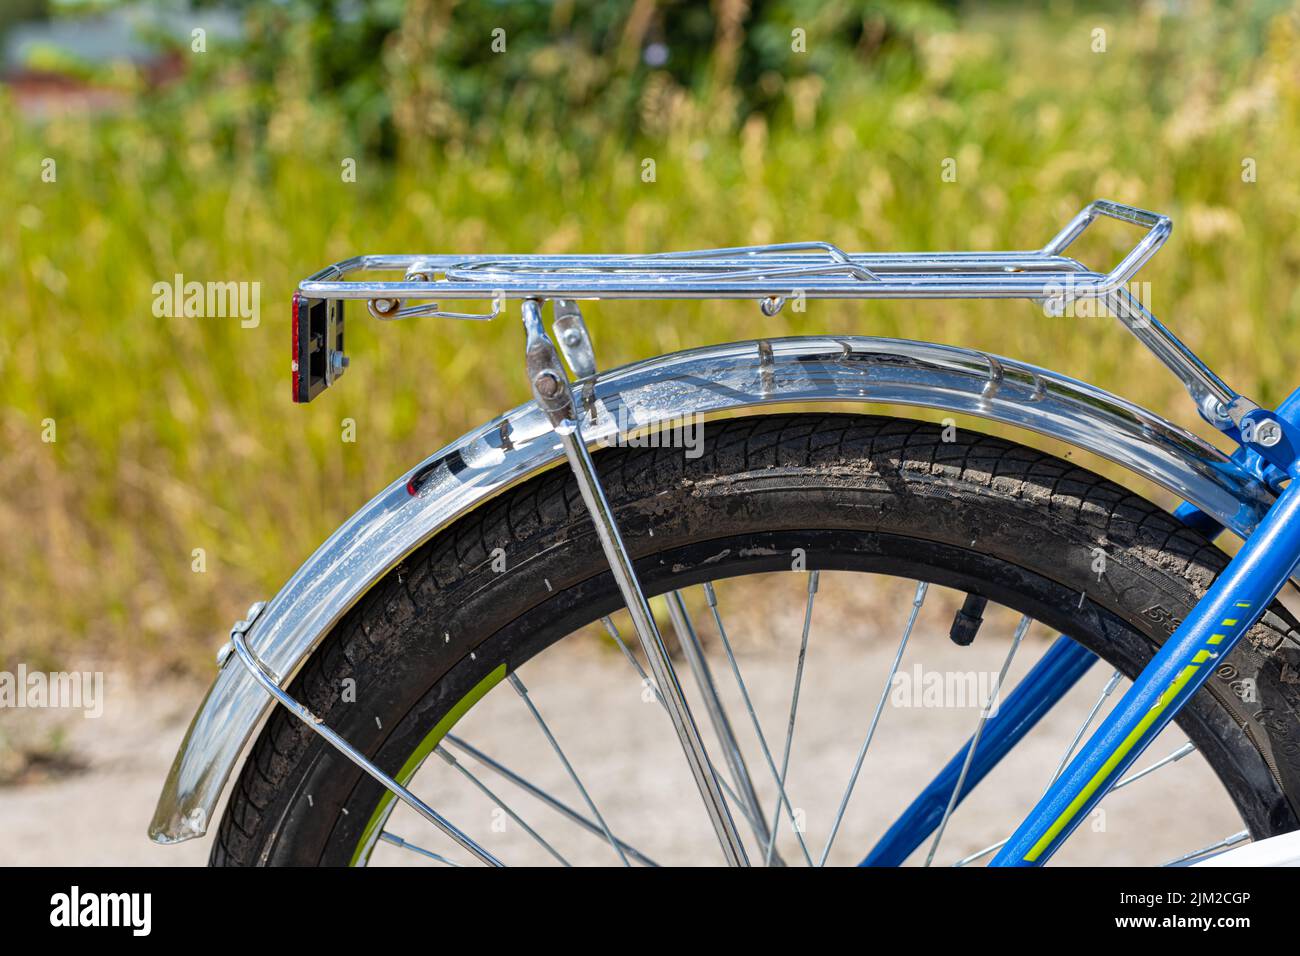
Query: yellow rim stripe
{"points": [[377, 819]]}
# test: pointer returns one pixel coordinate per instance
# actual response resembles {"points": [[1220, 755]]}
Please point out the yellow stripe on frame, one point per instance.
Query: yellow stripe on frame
{"points": [[1068, 814]]}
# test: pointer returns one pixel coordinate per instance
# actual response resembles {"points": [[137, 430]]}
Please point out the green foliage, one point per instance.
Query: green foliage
{"points": [[437, 72]]}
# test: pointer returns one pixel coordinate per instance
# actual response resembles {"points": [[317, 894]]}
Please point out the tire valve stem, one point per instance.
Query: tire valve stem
{"points": [[966, 623]]}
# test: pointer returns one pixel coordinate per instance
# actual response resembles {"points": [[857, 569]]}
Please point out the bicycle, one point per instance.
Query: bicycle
{"points": [[545, 522]]}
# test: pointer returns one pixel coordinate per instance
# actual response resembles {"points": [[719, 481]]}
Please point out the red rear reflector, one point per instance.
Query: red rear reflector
{"points": [[297, 350]]}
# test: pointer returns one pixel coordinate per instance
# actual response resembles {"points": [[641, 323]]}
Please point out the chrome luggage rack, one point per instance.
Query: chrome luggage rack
{"points": [[767, 273], [773, 274]]}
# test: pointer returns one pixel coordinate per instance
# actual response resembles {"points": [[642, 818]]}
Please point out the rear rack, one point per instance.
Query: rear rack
{"points": [[771, 274], [813, 269]]}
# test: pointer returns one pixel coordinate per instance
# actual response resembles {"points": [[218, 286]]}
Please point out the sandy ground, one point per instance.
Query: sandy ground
{"points": [[622, 749], [97, 816]]}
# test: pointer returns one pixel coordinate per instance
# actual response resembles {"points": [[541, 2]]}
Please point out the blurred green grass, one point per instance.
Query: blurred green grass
{"points": [[178, 434]]}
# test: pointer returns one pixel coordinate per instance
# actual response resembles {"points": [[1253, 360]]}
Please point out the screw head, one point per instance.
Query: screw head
{"points": [[1268, 433]]}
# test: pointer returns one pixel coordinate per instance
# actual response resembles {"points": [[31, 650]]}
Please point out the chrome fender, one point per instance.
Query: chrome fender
{"points": [[722, 378]]}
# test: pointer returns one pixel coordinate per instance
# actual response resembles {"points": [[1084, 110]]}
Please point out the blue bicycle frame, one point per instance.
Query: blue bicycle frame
{"points": [[1231, 606]]}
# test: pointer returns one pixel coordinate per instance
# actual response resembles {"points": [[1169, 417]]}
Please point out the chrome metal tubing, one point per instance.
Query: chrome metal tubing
{"points": [[272, 687], [699, 665], [552, 393], [753, 271]]}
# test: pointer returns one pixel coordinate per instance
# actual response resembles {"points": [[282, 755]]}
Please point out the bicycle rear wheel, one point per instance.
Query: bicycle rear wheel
{"points": [[885, 512]]}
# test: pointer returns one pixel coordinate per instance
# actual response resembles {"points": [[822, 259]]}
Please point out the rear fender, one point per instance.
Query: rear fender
{"points": [[663, 391]]}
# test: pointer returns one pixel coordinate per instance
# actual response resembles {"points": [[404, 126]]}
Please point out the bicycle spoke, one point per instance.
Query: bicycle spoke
{"points": [[397, 841], [689, 642], [979, 729], [1240, 837], [1174, 757], [1083, 729], [711, 597], [1106, 691], [794, 707], [689, 639], [559, 806], [1177, 755], [505, 807], [917, 600], [646, 681], [982, 853], [1037, 692], [522, 691]]}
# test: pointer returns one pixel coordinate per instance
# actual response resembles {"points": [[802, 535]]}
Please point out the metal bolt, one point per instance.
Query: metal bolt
{"points": [[547, 384], [1268, 433], [572, 338], [382, 308]]}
